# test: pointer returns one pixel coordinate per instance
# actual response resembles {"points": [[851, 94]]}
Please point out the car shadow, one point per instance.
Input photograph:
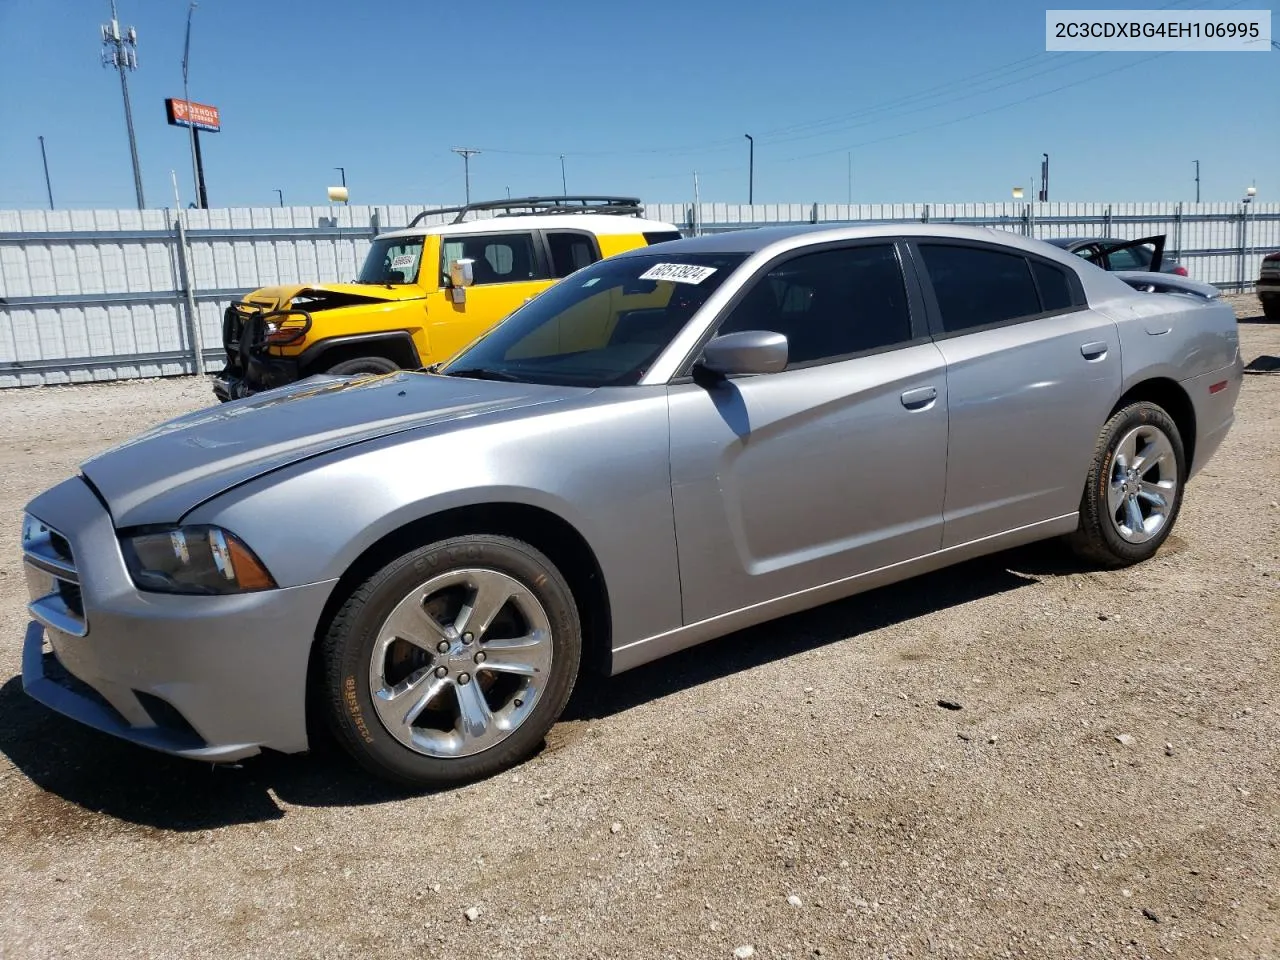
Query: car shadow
{"points": [[91, 771]]}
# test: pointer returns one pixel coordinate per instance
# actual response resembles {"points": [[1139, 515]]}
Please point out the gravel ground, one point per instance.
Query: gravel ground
{"points": [[794, 788]]}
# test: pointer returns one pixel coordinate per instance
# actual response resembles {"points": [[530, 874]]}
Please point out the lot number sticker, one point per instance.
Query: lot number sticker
{"points": [[678, 272], [403, 260]]}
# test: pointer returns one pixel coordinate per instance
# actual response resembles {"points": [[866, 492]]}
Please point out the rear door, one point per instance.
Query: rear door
{"points": [[830, 468], [1032, 373]]}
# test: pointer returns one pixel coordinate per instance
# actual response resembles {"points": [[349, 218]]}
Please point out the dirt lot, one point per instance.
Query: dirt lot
{"points": [[682, 804]]}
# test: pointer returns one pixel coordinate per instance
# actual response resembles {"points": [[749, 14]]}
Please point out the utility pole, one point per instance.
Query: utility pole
{"points": [[1197, 163], [280, 194], [751, 168], [564, 190], [47, 184], [466, 153], [197, 173], [121, 51]]}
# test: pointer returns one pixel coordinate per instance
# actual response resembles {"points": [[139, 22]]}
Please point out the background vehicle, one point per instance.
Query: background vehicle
{"points": [[1112, 254], [669, 446], [406, 308], [1268, 286]]}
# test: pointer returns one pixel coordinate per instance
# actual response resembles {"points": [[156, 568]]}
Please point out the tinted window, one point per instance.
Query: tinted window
{"points": [[974, 286], [570, 252], [829, 304], [499, 258], [661, 236], [1055, 290]]}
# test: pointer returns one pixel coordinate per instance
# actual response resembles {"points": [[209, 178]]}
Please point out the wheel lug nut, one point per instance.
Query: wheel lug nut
{"points": [[443, 646], [442, 671], [467, 638], [517, 702], [480, 657], [464, 678]]}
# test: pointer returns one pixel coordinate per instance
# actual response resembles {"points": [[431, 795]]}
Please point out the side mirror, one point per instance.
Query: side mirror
{"points": [[747, 351], [461, 276]]}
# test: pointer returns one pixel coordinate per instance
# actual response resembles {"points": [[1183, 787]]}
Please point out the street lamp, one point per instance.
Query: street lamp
{"points": [[343, 171], [280, 194], [751, 168], [564, 190]]}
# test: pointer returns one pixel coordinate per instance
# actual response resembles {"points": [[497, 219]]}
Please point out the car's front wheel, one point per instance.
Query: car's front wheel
{"points": [[1134, 489], [453, 661]]}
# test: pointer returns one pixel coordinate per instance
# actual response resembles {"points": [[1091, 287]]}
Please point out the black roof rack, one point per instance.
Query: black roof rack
{"points": [[529, 206]]}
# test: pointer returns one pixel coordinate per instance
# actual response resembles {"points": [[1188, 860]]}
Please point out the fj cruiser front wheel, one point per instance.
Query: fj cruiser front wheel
{"points": [[453, 661], [1134, 490]]}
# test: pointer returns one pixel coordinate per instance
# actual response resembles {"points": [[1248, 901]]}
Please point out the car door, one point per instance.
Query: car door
{"points": [[507, 269], [1032, 374], [829, 468]]}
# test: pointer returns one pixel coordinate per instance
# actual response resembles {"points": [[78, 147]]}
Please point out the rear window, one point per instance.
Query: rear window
{"points": [[1055, 289], [975, 286], [661, 236]]}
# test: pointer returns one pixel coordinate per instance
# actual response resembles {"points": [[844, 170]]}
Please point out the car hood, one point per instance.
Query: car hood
{"points": [[163, 473], [327, 295]]}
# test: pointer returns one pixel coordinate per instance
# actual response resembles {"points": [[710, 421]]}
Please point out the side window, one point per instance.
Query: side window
{"points": [[829, 304], [1054, 287], [499, 258], [661, 236], [570, 252], [976, 286], [1131, 258]]}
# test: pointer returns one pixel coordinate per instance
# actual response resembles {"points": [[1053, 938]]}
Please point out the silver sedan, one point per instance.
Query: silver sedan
{"points": [[667, 446]]}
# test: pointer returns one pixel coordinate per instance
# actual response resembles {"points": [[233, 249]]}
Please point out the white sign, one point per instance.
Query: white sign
{"points": [[678, 272], [403, 260]]}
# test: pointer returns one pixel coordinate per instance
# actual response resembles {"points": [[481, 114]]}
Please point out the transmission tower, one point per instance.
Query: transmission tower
{"points": [[120, 50]]}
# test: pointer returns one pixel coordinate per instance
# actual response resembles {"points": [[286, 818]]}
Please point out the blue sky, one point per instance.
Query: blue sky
{"points": [[924, 96]]}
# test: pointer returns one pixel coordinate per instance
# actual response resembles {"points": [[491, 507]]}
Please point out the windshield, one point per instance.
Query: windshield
{"points": [[603, 325], [392, 260]]}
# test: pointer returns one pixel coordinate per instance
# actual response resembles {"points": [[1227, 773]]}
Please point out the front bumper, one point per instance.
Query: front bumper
{"points": [[214, 678], [250, 365]]}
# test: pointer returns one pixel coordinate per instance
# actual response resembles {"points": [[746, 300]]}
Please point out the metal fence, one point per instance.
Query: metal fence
{"points": [[91, 295]]}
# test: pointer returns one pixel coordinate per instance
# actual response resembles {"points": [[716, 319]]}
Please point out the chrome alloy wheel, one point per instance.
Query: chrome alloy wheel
{"points": [[460, 662], [1143, 484]]}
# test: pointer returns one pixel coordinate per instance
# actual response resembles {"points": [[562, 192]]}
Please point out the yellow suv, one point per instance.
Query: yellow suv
{"points": [[424, 292]]}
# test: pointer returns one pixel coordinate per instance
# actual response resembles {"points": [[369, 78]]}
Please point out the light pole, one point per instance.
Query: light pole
{"points": [[564, 190], [466, 153], [280, 194], [1197, 163], [1044, 179], [121, 51], [202, 199], [751, 168], [343, 171], [47, 184]]}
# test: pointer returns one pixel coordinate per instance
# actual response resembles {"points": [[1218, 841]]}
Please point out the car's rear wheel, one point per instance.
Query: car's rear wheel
{"points": [[453, 661], [363, 365], [1134, 490]]}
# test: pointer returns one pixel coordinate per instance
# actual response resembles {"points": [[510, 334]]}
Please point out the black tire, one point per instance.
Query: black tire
{"points": [[348, 645], [1097, 538], [1271, 308], [363, 365]]}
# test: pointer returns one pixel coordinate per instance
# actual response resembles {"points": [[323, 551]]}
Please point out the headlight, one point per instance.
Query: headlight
{"points": [[193, 560]]}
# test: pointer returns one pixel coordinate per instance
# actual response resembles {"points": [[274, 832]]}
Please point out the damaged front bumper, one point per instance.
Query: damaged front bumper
{"points": [[251, 367]]}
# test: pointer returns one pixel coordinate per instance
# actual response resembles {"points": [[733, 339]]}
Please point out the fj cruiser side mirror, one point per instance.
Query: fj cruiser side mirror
{"points": [[461, 276]]}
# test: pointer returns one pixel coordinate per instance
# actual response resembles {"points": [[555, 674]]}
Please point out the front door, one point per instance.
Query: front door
{"points": [[508, 269], [832, 467]]}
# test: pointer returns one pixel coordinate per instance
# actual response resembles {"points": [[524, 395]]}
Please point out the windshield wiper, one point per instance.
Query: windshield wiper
{"points": [[483, 373]]}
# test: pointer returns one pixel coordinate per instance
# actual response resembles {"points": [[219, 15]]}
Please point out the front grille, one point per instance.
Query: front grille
{"points": [[53, 582]]}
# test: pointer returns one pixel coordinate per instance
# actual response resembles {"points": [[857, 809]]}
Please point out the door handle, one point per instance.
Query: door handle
{"points": [[920, 398], [1094, 351]]}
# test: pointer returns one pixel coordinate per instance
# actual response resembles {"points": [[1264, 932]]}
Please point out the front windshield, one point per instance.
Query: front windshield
{"points": [[603, 325], [392, 260]]}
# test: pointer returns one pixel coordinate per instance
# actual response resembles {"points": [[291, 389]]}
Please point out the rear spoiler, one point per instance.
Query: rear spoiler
{"points": [[1167, 283]]}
